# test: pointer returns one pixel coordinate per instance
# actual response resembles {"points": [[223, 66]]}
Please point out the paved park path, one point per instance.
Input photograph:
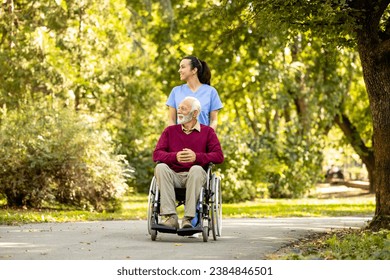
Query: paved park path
{"points": [[245, 239]]}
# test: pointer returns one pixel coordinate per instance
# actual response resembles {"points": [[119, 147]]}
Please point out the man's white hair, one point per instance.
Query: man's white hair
{"points": [[195, 103]]}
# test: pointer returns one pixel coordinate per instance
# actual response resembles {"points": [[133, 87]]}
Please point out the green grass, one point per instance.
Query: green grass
{"points": [[347, 244], [135, 207], [300, 208]]}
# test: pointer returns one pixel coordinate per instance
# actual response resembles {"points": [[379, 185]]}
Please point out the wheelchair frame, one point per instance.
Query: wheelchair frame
{"points": [[209, 209]]}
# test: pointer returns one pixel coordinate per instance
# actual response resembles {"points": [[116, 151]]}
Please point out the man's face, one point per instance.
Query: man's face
{"points": [[184, 114]]}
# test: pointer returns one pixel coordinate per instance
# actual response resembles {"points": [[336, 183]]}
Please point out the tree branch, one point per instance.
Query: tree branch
{"points": [[353, 137]]}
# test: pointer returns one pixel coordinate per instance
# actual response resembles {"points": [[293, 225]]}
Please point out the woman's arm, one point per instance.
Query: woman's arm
{"points": [[172, 116], [214, 119]]}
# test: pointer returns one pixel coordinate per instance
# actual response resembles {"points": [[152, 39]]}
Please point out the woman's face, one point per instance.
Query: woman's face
{"points": [[185, 70]]}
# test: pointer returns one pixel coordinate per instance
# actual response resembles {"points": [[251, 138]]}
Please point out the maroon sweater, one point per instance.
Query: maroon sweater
{"points": [[205, 144]]}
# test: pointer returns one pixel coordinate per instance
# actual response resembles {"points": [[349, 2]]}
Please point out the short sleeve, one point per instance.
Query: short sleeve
{"points": [[216, 103], [171, 102]]}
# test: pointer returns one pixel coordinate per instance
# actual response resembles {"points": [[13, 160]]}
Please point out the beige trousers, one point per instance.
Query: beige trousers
{"points": [[168, 180]]}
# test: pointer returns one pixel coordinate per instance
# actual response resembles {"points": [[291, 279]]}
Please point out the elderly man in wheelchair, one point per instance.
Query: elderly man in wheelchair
{"points": [[184, 153]]}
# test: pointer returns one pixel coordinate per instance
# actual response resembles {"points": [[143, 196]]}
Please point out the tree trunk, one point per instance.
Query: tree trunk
{"points": [[374, 53], [378, 86]]}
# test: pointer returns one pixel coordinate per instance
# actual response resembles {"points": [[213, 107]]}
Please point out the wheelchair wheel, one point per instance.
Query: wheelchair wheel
{"points": [[153, 234], [205, 224], [213, 208], [213, 222], [205, 233], [216, 208], [151, 214], [218, 205]]}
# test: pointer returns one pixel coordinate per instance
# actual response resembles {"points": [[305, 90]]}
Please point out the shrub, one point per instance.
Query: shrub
{"points": [[243, 171], [56, 156], [300, 167], [264, 166]]}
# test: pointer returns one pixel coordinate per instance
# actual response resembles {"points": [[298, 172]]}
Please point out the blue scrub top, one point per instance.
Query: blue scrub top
{"points": [[207, 96]]}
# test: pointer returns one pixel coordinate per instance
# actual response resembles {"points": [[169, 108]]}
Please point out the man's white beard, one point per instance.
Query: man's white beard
{"points": [[184, 119]]}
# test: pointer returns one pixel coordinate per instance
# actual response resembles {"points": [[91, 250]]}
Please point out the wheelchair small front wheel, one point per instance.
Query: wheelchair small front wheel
{"points": [[205, 233], [153, 234], [213, 220]]}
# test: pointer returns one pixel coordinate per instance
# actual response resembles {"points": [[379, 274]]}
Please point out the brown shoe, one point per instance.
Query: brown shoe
{"points": [[186, 222], [171, 221]]}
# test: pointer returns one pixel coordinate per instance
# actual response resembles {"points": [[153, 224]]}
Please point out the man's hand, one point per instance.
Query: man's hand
{"points": [[186, 155]]}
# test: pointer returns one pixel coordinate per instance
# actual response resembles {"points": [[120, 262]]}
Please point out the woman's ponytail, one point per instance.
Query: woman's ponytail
{"points": [[206, 73]]}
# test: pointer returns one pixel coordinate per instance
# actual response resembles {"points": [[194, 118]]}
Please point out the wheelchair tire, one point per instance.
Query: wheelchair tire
{"points": [[214, 207], [151, 198], [205, 233], [213, 221], [218, 208], [153, 234]]}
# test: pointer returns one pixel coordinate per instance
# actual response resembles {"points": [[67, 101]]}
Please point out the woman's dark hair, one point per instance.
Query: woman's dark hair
{"points": [[204, 73]]}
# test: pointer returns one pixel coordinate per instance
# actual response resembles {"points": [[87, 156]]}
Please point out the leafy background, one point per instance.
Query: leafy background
{"points": [[83, 86]]}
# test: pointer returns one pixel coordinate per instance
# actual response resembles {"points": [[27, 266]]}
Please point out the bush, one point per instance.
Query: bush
{"points": [[244, 170], [300, 167], [265, 166], [56, 156]]}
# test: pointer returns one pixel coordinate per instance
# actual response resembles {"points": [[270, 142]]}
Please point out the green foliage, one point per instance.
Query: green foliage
{"points": [[237, 181], [281, 87], [363, 246], [347, 245], [116, 61], [90, 56], [289, 81], [51, 156], [300, 166]]}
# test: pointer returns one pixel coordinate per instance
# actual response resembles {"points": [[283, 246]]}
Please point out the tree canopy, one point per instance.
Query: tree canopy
{"points": [[286, 71]]}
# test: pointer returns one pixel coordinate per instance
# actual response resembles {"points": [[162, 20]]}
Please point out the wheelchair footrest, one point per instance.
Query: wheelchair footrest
{"points": [[161, 228], [189, 231], [181, 232]]}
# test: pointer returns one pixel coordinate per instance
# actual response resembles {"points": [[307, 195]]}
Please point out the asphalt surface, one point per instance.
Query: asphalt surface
{"points": [[242, 239]]}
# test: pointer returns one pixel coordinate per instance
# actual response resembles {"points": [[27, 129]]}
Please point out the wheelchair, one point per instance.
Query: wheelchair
{"points": [[208, 214]]}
